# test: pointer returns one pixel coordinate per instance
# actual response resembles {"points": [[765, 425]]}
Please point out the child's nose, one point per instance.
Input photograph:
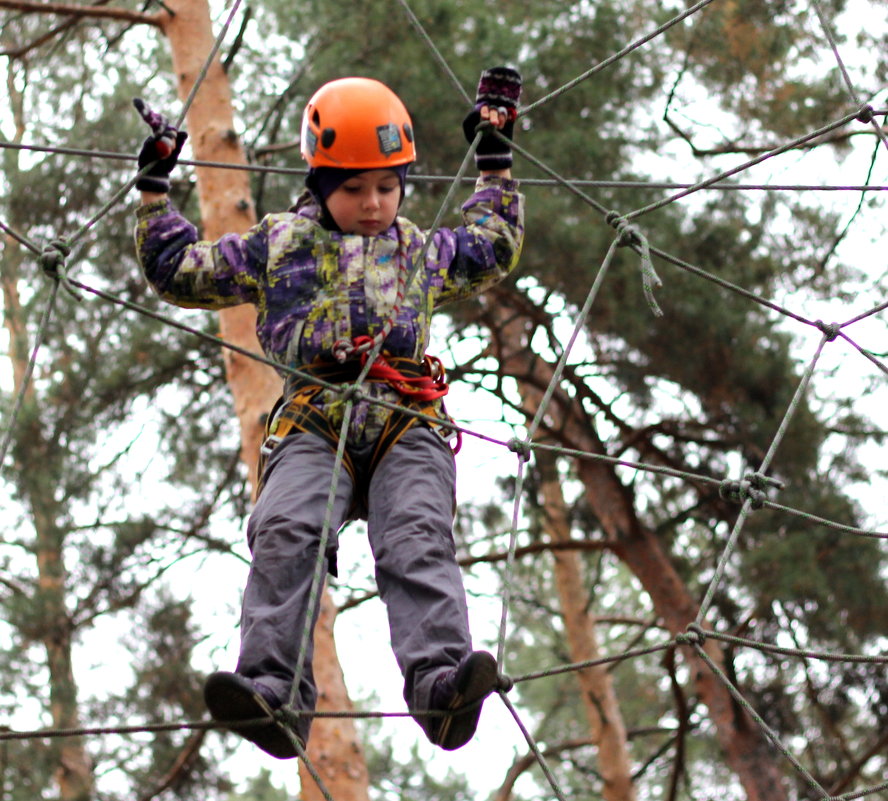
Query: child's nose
{"points": [[371, 201]]}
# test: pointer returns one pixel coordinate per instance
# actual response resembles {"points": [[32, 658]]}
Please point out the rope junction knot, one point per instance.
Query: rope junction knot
{"points": [[752, 487], [289, 715], [52, 262], [631, 236], [352, 393], [520, 447], [504, 683], [694, 635], [52, 257], [866, 114], [831, 330]]}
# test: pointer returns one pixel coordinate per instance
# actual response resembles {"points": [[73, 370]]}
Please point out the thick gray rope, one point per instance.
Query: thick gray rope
{"points": [[708, 184], [421, 178], [849, 85], [618, 55], [749, 503], [521, 448]]}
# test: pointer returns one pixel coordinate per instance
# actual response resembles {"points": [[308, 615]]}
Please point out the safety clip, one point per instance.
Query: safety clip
{"points": [[269, 445]]}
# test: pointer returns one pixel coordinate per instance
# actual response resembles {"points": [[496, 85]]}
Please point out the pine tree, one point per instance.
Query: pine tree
{"points": [[701, 390]]}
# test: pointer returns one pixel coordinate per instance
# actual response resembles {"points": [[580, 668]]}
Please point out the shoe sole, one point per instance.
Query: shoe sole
{"points": [[231, 699], [479, 680]]}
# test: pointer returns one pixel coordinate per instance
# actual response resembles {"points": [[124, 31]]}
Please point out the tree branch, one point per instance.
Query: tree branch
{"points": [[45, 37], [181, 765], [527, 761], [876, 748], [502, 556], [65, 9]]}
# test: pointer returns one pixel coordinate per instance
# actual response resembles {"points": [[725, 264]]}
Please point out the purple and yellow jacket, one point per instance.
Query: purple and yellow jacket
{"points": [[312, 287]]}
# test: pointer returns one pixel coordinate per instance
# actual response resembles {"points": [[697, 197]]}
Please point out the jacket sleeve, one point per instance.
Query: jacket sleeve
{"points": [[486, 248], [198, 274]]}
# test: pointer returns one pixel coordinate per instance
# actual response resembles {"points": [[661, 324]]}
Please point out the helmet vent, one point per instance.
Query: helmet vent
{"points": [[328, 136]]}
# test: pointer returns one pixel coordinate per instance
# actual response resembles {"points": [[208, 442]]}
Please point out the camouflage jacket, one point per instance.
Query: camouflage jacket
{"points": [[312, 286]]}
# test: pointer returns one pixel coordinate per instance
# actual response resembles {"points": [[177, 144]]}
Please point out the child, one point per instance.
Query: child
{"points": [[327, 277]]}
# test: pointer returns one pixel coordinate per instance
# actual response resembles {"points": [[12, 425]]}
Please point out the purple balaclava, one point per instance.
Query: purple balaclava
{"points": [[323, 181]]}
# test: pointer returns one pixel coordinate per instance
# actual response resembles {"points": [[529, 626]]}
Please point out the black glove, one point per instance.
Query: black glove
{"points": [[160, 150], [500, 89]]}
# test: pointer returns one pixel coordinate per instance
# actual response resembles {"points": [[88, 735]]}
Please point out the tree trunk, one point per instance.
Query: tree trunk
{"points": [[226, 207], [50, 623], [73, 771], [600, 702], [746, 750], [337, 753]]}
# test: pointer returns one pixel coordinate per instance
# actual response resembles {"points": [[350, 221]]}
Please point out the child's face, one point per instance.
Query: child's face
{"points": [[366, 203]]}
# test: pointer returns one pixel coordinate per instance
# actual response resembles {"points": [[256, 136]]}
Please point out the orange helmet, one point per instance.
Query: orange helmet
{"points": [[356, 123]]}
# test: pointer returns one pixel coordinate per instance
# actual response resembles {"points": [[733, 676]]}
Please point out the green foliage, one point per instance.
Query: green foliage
{"points": [[706, 388], [394, 779], [104, 481], [260, 788], [165, 688]]}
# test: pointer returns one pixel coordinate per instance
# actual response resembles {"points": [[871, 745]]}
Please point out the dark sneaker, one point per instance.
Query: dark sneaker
{"points": [[460, 691], [231, 698]]}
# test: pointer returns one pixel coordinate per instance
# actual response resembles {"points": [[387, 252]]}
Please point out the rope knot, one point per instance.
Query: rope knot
{"points": [[52, 258], [630, 235], [520, 447], [752, 488], [504, 683], [352, 393], [52, 262], [866, 114], [830, 330], [740, 492], [695, 635], [342, 349]]}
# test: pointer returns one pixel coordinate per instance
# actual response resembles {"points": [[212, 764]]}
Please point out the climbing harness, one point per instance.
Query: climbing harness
{"points": [[420, 383]]}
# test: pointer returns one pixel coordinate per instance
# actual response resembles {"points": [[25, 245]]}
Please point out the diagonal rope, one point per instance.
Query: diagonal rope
{"points": [[760, 721], [659, 31], [525, 448], [866, 114], [521, 448], [748, 504], [784, 148], [421, 31]]}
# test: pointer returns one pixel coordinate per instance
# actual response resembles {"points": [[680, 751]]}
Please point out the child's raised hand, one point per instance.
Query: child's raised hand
{"points": [[497, 117], [496, 102], [160, 151]]}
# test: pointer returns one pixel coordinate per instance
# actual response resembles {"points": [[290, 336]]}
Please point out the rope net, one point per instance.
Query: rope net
{"points": [[752, 490]]}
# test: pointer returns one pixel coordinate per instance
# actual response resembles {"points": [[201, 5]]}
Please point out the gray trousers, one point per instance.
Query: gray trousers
{"points": [[409, 524]]}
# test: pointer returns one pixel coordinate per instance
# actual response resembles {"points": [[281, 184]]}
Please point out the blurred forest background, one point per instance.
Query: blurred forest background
{"points": [[124, 495]]}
